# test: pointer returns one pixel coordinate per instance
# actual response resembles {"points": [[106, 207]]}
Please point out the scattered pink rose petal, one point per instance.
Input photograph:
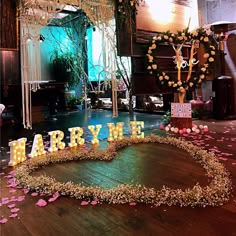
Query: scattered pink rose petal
{"points": [[34, 194], [13, 199], [14, 210], [21, 198], [2, 173], [52, 199], [13, 215], [94, 202], [8, 176], [84, 203], [5, 202], [5, 199], [11, 172], [56, 195], [3, 221], [230, 145], [234, 163], [41, 203], [226, 154], [25, 191], [0, 204], [133, 203], [13, 185], [12, 191], [223, 159], [11, 181], [11, 206]]}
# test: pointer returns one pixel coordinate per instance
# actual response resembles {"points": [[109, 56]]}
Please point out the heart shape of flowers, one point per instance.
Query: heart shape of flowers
{"points": [[216, 193], [177, 40]]}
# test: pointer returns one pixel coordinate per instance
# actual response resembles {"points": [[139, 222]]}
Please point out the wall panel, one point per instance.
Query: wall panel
{"points": [[8, 24]]}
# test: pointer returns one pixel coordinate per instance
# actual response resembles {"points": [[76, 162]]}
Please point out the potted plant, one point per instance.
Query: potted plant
{"points": [[60, 70], [66, 69], [75, 103]]}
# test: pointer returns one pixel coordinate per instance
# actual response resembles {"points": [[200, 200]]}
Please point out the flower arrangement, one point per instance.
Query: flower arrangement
{"points": [[193, 39], [216, 193]]}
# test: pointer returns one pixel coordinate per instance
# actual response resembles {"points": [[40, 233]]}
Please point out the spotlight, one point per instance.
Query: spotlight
{"points": [[41, 38], [88, 25]]}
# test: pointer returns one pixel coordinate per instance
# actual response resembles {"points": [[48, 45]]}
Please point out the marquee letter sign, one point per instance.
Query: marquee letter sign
{"points": [[115, 132], [17, 151], [17, 147], [75, 136], [136, 129], [56, 140], [38, 147], [95, 133]]}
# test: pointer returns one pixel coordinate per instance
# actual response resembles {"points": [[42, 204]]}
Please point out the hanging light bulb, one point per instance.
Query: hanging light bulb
{"points": [[28, 38]]}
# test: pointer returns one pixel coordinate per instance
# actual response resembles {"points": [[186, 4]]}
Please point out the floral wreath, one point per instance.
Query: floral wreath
{"points": [[177, 40], [216, 193]]}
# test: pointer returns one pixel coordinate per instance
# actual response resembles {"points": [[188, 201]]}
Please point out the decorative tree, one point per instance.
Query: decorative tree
{"points": [[115, 67], [72, 53]]}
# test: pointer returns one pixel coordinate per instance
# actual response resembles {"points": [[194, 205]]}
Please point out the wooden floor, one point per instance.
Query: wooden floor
{"points": [[153, 165]]}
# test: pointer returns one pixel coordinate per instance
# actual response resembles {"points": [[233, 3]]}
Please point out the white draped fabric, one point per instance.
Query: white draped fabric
{"points": [[109, 59], [30, 68]]}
